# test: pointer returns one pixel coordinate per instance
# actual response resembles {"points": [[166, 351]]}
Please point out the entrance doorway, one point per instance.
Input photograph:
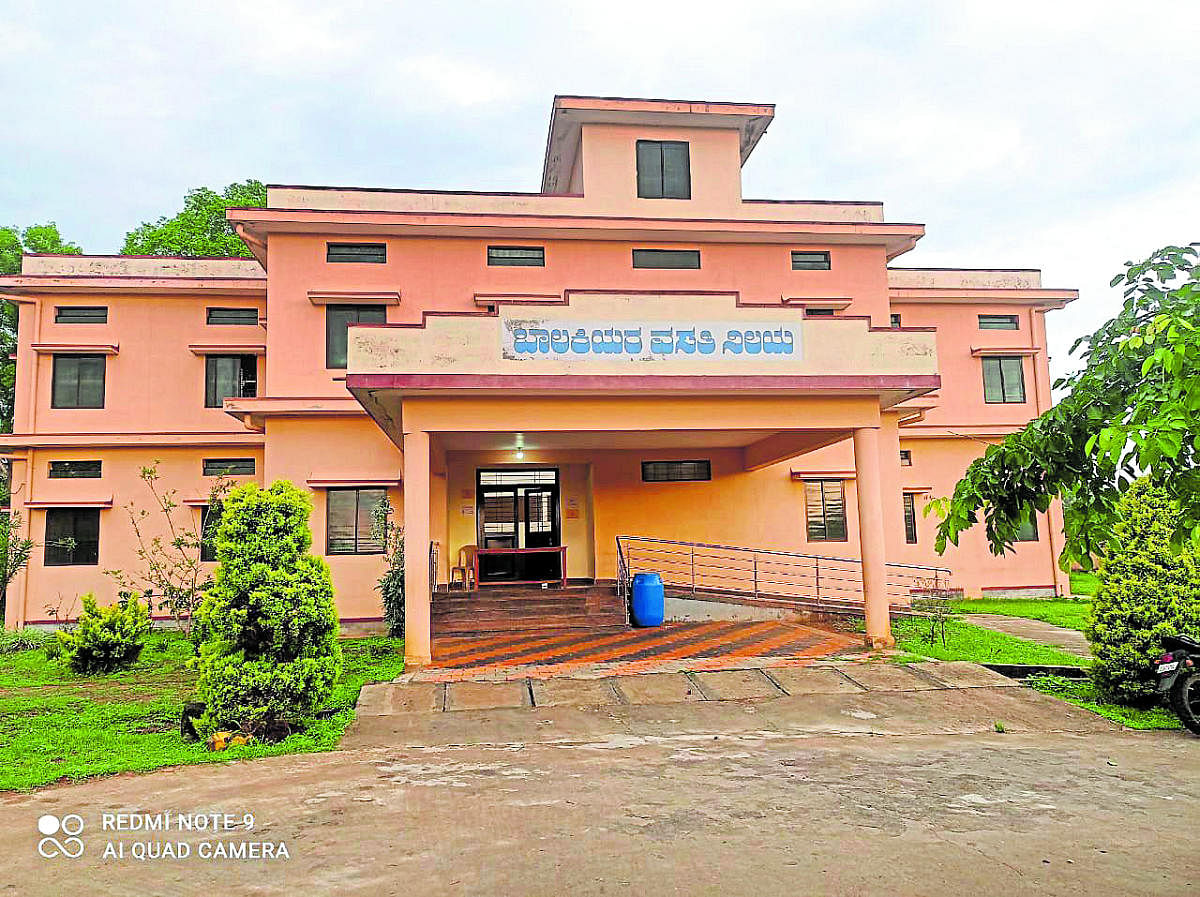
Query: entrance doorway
{"points": [[517, 513]]}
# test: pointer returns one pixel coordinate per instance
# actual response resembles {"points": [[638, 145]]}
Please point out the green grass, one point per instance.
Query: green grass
{"points": [[1060, 612], [967, 642], [1082, 693], [56, 725], [1085, 584]]}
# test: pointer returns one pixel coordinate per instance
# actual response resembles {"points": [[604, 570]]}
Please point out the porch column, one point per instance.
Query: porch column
{"points": [[416, 549], [872, 538]]}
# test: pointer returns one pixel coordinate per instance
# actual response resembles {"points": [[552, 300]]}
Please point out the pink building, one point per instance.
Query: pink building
{"points": [[634, 351]]}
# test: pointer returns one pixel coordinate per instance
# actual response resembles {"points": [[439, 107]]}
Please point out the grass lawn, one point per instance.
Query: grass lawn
{"points": [[1082, 693], [1085, 584], [1060, 612], [974, 643], [56, 725]]}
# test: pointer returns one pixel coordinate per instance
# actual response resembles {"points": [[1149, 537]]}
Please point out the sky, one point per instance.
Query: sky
{"points": [[1058, 135]]}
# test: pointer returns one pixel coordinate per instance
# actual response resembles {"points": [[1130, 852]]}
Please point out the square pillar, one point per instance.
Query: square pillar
{"points": [[872, 537], [417, 648]]}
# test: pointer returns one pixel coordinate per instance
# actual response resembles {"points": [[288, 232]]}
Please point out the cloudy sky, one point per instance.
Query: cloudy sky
{"points": [[1058, 134]]}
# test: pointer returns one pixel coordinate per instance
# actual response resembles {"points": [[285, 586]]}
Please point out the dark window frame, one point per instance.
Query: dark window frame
{"points": [[700, 467], [208, 528], [241, 311], [812, 260], [894, 320], [658, 173], [906, 457], [64, 313], [337, 339], [59, 375], [246, 387], [910, 518], [998, 362], [820, 312], [360, 538], [497, 257], [227, 467], [999, 322], [819, 530], [356, 253], [75, 470], [85, 552], [664, 257]]}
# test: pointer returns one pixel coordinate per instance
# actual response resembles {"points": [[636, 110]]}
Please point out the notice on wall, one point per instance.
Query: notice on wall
{"points": [[655, 341]]}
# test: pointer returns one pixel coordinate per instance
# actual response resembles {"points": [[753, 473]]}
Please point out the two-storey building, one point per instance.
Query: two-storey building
{"points": [[635, 350]]}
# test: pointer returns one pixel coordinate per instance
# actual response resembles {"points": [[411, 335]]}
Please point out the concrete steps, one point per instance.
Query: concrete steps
{"points": [[523, 609]]}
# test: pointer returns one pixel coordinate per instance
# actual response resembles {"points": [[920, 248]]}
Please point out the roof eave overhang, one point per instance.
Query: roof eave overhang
{"points": [[1044, 298], [897, 238], [27, 287]]}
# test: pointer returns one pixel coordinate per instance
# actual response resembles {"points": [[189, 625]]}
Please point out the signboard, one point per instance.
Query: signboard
{"points": [[650, 341]]}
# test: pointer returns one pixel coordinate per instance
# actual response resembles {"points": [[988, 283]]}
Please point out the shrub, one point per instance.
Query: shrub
{"points": [[270, 651], [105, 638], [23, 639], [1148, 589], [391, 583]]}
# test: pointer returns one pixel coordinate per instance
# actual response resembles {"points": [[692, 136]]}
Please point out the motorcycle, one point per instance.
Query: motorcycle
{"points": [[1178, 673]]}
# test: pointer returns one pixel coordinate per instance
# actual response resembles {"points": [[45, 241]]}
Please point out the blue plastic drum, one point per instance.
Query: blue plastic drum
{"points": [[648, 600]]}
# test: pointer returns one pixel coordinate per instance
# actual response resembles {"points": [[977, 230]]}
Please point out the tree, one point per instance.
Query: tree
{"points": [[270, 655], [1147, 590], [15, 551], [201, 228], [1132, 409], [172, 570], [39, 238]]}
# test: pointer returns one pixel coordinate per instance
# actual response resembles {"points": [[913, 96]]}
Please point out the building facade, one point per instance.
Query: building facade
{"points": [[634, 351]]}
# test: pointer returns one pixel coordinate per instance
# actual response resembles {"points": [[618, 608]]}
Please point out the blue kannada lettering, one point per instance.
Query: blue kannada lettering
{"points": [[663, 341]]}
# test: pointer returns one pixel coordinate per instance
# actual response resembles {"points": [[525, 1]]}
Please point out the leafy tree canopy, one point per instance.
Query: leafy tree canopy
{"points": [[201, 228], [1132, 409]]}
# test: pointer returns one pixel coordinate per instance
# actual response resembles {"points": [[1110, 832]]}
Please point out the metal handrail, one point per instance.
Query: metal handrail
{"points": [[737, 569]]}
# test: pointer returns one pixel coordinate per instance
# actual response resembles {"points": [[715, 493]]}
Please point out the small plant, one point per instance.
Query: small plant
{"points": [[172, 575], [15, 551], [936, 610], [999, 727], [390, 535], [106, 639], [270, 655], [1148, 589], [24, 639]]}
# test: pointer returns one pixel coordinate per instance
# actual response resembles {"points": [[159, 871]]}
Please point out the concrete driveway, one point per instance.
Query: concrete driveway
{"points": [[884, 785]]}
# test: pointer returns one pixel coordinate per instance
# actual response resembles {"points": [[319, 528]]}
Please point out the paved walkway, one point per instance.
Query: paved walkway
{"points": [[1069, 640], [710, 646]]}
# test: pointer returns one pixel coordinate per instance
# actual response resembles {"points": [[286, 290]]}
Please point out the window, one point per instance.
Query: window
{"points": [[809, 261], [349, 520], [1003, 380], [337, 319], [210, 519], [232, 316], [676, 471], [78, 381], [895, 320], [820, 312], [666, 258], [517, 256], [81, 314], [825, 504], [998, 322], [72, 536], [1028, 531], [906, 457], [74, 470], [372, 253], [663, 170], [910, 518], [229, 377], [227, 467]]}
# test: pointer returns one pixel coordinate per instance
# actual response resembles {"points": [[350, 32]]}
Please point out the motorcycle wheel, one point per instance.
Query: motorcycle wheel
{"points": [[1185, 700]]}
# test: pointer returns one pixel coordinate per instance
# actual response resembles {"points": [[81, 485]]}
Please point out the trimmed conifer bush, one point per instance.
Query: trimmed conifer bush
{"points": [[269, 653], [1148, 589], [105, 639]]}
